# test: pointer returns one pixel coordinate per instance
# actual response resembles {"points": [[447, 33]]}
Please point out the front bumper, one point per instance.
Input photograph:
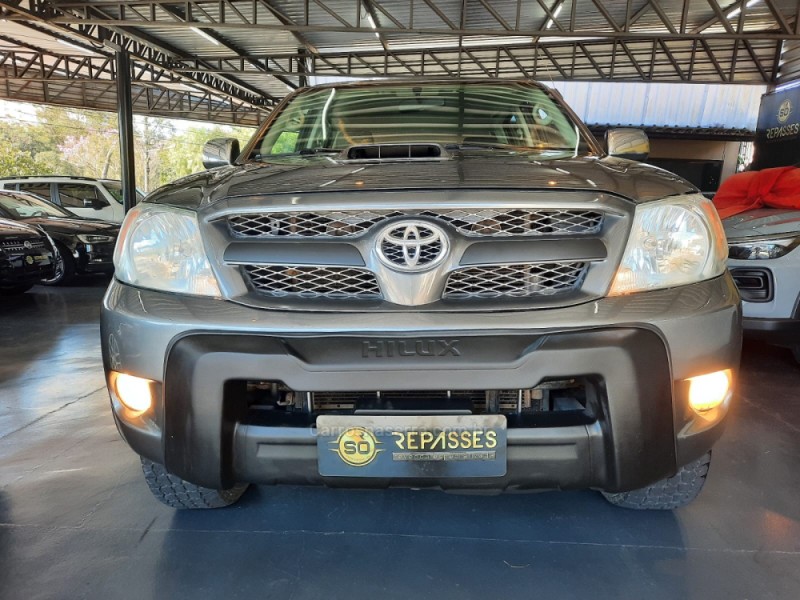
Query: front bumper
{"points": [[641, 348], [14, 270], [782, 299], [780, 332], [95, 258]]}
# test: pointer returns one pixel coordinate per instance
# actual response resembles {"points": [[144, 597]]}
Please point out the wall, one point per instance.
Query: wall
{"points": [[728, 152]]}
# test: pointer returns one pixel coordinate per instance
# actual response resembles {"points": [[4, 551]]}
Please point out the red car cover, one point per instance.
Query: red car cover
{"points": [[774, 188]]}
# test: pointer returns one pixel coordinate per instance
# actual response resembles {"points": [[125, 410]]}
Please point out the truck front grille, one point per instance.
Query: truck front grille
{"points": [[478, 222], [313, 282], [515, 281]]}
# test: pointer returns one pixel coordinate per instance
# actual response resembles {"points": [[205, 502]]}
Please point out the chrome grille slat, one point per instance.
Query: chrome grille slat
{"points": [[313, 282], [515, 281], [472, 222]]}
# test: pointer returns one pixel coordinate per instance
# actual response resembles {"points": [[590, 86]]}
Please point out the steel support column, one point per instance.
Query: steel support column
{"points": [[125, 117]]}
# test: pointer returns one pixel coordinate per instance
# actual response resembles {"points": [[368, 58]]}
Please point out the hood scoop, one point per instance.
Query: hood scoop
{"points": [[395, 152]]}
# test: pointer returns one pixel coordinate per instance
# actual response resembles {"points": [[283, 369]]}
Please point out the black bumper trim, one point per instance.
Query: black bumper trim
{"points": [[557, 458], [775, 331], [632, 446]]}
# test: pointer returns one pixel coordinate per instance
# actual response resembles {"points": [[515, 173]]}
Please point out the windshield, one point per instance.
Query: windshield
{"points": [[511, 116], [115, 189], [23, 207]]}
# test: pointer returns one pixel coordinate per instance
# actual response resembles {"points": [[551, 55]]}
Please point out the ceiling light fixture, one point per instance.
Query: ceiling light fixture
{"points": [[73, 46], [735, 12], [205, 35], [556, 11]]}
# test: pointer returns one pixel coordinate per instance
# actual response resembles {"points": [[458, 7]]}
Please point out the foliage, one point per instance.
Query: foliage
{"points": [[60, 141]]}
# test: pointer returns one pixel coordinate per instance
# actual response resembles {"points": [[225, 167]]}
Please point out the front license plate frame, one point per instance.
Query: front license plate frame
{"points": [[411, 446]]}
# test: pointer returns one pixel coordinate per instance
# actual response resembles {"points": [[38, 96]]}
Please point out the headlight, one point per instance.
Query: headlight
{"points": [[160, 248], [673, 242], [762, 248], [88, 238]]}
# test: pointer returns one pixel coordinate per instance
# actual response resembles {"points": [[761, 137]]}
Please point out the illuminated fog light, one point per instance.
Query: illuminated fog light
{"points": [[134, 392], [707, 392]]}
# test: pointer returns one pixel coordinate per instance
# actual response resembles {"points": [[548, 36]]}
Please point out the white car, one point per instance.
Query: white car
{"points": [[765, 264], [86, 197]]}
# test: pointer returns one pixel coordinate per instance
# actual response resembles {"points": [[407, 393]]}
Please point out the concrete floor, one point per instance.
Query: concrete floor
{"points": [[76, 520]]}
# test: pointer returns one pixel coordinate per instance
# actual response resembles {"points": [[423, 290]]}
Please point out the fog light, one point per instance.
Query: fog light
{"points": [[709, 391], [134, 392]]}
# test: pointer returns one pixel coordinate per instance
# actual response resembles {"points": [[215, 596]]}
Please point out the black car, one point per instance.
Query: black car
{"points": [[26, 257], [81, 245]]}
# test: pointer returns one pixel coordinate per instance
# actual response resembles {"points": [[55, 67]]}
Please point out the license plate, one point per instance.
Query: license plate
{"points": [[411, 446], [36, 260]]}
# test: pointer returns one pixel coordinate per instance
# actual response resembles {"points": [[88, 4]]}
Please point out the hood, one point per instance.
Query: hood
{"points": [[762, 222], [68, 226], [12, 229], [480, 170]]}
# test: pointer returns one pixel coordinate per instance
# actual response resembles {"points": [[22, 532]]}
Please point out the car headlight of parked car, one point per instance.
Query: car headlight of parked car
{"points": [[160, 248], [762, 248], [90, 238], [675, 241]]}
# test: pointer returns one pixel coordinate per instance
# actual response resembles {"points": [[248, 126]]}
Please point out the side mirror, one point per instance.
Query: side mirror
{"points": [[624, 142], [95, 203], [220, 152]]}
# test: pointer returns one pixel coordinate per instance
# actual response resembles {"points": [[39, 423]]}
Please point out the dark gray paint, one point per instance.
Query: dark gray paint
{"points": [[77, 521], [520, 251], [299, 252]]}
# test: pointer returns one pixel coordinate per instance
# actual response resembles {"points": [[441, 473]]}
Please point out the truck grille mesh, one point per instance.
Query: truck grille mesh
{"points": [[516, 281], [313, 282], [473, 222]]}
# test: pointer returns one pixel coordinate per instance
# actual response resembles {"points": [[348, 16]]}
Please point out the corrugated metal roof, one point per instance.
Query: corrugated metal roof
{"points": [[664, 104], [471, 38]]}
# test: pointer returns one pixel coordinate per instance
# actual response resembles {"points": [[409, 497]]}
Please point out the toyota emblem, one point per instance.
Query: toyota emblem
{"points": [[27, 245], [412, 245]]}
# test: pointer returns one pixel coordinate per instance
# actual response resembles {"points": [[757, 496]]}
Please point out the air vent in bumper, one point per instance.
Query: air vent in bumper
{"points": [[755, 285]]}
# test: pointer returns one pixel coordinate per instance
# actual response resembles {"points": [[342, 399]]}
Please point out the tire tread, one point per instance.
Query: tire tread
{"points": [[177, 493], [668, 494]]}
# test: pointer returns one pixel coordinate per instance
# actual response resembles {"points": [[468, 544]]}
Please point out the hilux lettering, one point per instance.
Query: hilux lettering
{"points": [[391, 348]]}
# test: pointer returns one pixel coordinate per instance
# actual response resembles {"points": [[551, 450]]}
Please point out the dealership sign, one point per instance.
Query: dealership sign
{"points": [[779, 117]]}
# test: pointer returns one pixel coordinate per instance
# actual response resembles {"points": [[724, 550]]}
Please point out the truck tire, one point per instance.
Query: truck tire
{"points": [[667, 494], [177, 493]]}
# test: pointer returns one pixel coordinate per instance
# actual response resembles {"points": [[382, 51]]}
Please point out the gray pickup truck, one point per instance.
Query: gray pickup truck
{"points": [[427, 283]]}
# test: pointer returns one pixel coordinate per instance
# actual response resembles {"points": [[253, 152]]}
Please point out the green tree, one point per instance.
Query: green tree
{"points": [[60, 141], [15, 162]]}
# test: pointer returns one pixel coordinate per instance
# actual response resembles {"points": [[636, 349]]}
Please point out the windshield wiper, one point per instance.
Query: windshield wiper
{"points": [[480, 145], [305, 151], [490, 146]]}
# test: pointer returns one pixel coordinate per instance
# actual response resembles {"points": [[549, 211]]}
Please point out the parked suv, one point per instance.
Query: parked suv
{"points": [[81, 246], [765, 265], [86, 197], [419, 284]]}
